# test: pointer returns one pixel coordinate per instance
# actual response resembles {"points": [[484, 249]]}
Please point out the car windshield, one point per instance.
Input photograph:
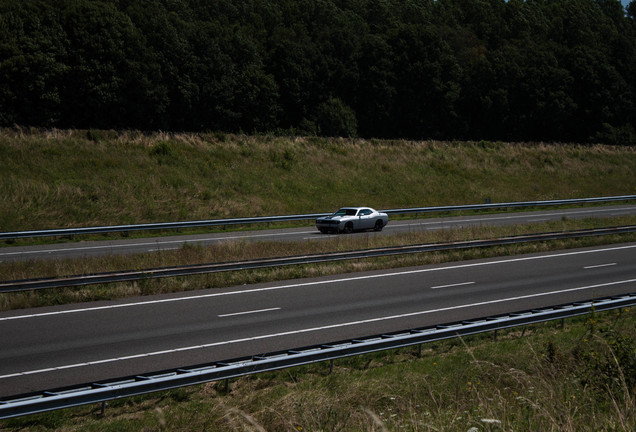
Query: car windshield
{"points": [[345, 211]]}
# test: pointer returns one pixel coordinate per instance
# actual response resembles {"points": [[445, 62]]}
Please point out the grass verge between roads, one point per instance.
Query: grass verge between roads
{"points": [[243, 250], [543, 377]]}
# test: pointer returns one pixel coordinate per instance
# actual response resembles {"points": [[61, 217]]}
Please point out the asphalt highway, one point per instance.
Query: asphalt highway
{"points": [[101, 248], [52, 347]]}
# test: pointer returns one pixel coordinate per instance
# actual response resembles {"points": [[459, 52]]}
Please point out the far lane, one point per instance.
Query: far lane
{"points": [[116, 247]]}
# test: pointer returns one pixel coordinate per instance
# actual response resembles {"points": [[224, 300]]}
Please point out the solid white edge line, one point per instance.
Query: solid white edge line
{"points": [[326, 327]]}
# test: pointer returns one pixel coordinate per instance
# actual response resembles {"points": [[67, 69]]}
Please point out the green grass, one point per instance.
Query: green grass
{"points": [[76, 178], [544, 377]]}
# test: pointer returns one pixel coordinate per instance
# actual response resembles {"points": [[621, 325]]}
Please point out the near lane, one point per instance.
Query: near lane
{"points": [[101, 248], [51, 347]]}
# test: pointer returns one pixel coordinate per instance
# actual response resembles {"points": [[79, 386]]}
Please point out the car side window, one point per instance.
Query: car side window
{"points": [[365, 212]]}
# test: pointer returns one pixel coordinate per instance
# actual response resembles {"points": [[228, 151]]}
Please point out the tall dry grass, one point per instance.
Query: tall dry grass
{"points": [[62, 178]]}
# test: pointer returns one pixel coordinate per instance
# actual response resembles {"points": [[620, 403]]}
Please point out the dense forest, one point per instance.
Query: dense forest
{"points": [[419, 69]]}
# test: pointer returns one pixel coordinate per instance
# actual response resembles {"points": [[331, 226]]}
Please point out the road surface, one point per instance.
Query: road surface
{"points": [[51, 347]]}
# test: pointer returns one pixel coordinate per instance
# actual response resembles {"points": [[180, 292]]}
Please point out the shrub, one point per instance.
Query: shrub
{"points": [[336, 119]]}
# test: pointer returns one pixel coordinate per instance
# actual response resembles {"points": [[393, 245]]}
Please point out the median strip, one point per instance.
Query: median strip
{"points": [[198, 297], [125, 276]]}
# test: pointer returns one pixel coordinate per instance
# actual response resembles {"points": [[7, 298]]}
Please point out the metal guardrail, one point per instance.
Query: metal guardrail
{"points": [[270, 219], [189, 270], [491, 206], [223, 370]]}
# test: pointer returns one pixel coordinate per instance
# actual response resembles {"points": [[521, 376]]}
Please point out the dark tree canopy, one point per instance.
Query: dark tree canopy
{"points": [[523, 70]]}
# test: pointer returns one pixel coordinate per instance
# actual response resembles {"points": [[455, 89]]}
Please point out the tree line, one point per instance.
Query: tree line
{"points": [[517, 70]]}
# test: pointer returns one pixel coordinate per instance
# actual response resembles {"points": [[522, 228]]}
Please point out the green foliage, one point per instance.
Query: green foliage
{"points": [[283, 158], [608, 364], [335, 119], [447, 69], [162, 148]]}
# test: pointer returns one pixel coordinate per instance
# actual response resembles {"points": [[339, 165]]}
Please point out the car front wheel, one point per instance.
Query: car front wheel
{"points": [[348, 229]]}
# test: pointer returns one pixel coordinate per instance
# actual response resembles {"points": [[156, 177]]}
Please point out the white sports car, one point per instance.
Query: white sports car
{"points": [[350, 219]]}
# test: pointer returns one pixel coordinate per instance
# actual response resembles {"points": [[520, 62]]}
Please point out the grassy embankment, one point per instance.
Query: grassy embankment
{"points": [[78, 178], [537, 378]]}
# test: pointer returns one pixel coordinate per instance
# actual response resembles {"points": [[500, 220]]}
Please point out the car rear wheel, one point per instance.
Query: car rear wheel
{"points": [[378, 226]]}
